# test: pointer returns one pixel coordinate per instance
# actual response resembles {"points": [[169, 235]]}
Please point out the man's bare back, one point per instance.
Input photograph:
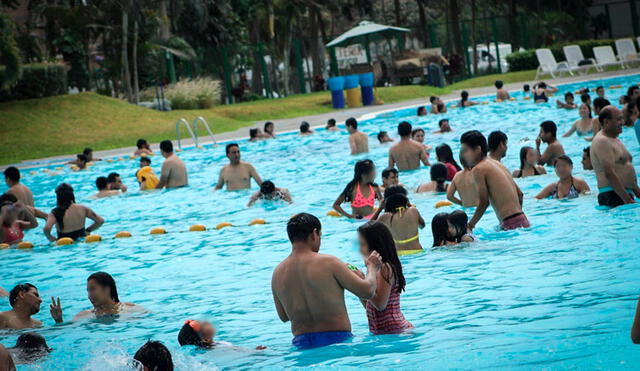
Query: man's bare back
{"points": [[22, 193], [359, 142], [238, 176], [464, 183], [493, 180], [174, 172], [407, 155]]}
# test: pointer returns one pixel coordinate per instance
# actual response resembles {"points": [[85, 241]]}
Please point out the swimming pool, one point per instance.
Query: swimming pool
{"points": [[559, 295]]}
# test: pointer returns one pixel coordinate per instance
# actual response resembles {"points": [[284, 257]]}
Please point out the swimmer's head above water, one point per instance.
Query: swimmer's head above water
{"points": [[390, 177], [364, 172], [548, 131], [305, 229], [233, 152], [153, 355], [498, 143], [11, 176], [166, 148], [473, 147], [404, 129], [25, 296], [375, 236], [101, 183], [383, 137], [198, 333], [101, 289], [444, 125], [586, 159]]}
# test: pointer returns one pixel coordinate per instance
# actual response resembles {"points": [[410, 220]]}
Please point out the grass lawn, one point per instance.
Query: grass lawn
{"points": [[66, 124]]}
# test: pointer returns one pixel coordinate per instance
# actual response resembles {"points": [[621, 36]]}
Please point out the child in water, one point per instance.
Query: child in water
{"points": [[450, 229], [201, 334]]}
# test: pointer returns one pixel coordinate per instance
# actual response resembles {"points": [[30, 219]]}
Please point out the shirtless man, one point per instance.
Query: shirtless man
{"points": [[494, 184], [389, 178], [501, 93], [115, 183], [237, 174], [383, 137], [548, 131], [103, 294], [269, 192], [617, 182], [444, 127], [103, 189], [25, 302], [174, 172], [358, 141], [464, 184], [331, 125], [497, 145], [437, 105], [6, 362], [407, 154], [308, 287], [21, 191]]}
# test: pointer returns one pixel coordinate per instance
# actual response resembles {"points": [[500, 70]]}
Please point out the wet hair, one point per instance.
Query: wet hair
{"points": [[229, 146], [166, 146], [526, 88], [362, 167], [112, 177], [145, 159], [585, 97], [438, 173], [442, 121], [599, 87], [464, 95], [154, 356], [101, 183], [394, 203], [331, 123], [17, 290], [267, 187], [33, 344], [404, 129], [568, 95], [301, 226], [421, 109], [542, 85], [87, 151], [396, 189], [381, 135], [564, 158], [82, 158], [432, 98], [587, 150], [105, 280], [8, 198], [388, 171], [12, 173], [189, 336], [64, 199], [600, 103], [439, 228], [499, 84], [459, 220], [141, 143], [445, 154], [253, 133], [523, 156], [630, 92], [304, 127], [266, 125], [379, 239], [351, 122], [549, 127], [495, 139], [474, 138], [416, 131]]}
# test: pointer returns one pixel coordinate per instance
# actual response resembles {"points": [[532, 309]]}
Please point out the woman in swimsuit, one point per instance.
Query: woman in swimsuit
{"points": [[567, 186], [11, 229], [383, 310], [361, 191], [69, 217], [583, 125], [541, 90], [528, 164], [438, 180], [444, 154], [404, 221]]}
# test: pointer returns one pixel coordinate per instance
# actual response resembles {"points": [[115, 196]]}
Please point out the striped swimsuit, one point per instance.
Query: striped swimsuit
{"points": [[390, 320]]}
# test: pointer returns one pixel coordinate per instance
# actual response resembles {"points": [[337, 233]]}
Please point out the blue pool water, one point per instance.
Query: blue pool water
{"points": [[559, 295]]}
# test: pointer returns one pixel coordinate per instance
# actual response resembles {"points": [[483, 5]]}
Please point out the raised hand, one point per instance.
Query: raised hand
{"points": [[56, 310], [374, 261]]}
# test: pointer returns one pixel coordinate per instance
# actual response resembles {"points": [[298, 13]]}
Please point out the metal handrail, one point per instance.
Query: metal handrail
{"points": [[206, 126], [186, 124]]}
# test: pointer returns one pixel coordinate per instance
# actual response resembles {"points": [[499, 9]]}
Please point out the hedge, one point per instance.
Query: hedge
{"points": [[526, 60], [36, 81]]}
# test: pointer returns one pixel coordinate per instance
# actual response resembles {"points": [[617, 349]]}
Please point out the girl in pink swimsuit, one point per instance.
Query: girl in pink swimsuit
{"points": [[361, 192], [383, 310], [11, 229]]}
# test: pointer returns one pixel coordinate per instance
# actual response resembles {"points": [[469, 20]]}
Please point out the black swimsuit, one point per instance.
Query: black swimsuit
{"points": [[542, 96], [535, 172], [73, 235]]}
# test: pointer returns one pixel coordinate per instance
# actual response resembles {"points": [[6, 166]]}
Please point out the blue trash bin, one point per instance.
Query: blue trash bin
{"points": [[336, 85], [366, 88]]}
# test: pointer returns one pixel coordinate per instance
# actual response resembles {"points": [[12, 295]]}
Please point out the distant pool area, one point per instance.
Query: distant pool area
{"points": [[559, 295]]}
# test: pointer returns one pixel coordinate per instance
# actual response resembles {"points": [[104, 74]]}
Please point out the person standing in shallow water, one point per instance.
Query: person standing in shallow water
{"points": [[70, 217], [174, 171], [407, 154], [383, 310], [308, 287], [237, 174], [358, 141], [361, 191]]}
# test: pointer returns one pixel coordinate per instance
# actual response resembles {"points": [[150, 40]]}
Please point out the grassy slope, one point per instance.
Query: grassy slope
{"points": [[66, 124]]}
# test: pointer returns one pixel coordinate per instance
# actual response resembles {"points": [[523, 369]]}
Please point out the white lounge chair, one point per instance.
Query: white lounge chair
{"points": [[627, 51], [574, 56], [548, 64], [606, 57]]}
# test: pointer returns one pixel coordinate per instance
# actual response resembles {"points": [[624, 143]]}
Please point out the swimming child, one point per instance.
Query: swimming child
{"points": [[269, 192], [201, 334], [568, 101]]}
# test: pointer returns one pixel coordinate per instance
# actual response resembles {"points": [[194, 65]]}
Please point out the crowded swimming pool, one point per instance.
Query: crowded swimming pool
{"points": [[560, 294]]}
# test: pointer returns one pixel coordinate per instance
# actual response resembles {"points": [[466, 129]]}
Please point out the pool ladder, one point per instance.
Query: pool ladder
{"points": [[193, 131]]}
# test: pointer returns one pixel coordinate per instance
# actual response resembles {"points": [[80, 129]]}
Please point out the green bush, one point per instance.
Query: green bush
{"points": [[36, 81], [526, 60]]}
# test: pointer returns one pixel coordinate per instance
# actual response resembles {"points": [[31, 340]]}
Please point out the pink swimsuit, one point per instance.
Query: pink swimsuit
{"points": [[10, 234], [361, 201], [390, 320]]}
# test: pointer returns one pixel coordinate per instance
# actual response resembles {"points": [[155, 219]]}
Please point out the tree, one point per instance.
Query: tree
{"points": [[9, 54]]}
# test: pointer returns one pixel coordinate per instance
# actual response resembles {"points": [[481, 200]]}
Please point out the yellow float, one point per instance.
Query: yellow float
{"points": [[93, 238], [109, 160], [25, 245], [440, 204], [123, 234], [512, 99], [59, 168], [4, 246], [33, 173], [148, 177], [64, 241], [197, 228], [615, 86], [45, 170], [257, 221], [333, 213], [224, 225], [158, 230]]}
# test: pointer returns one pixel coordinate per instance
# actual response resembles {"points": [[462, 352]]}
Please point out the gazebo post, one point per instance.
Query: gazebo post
{"points": [[366, 48], [334, 62]]}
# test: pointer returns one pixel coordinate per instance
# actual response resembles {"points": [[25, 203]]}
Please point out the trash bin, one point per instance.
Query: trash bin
{"points": [[435, 75], [336, 85], [366, 88], [353, 92]]}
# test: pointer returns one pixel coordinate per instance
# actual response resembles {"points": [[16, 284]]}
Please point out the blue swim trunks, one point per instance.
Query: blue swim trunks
{"points": [[320, 339]]}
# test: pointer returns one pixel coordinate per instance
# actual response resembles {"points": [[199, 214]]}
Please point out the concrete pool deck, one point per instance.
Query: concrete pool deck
{"points": [[292, 124]]}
